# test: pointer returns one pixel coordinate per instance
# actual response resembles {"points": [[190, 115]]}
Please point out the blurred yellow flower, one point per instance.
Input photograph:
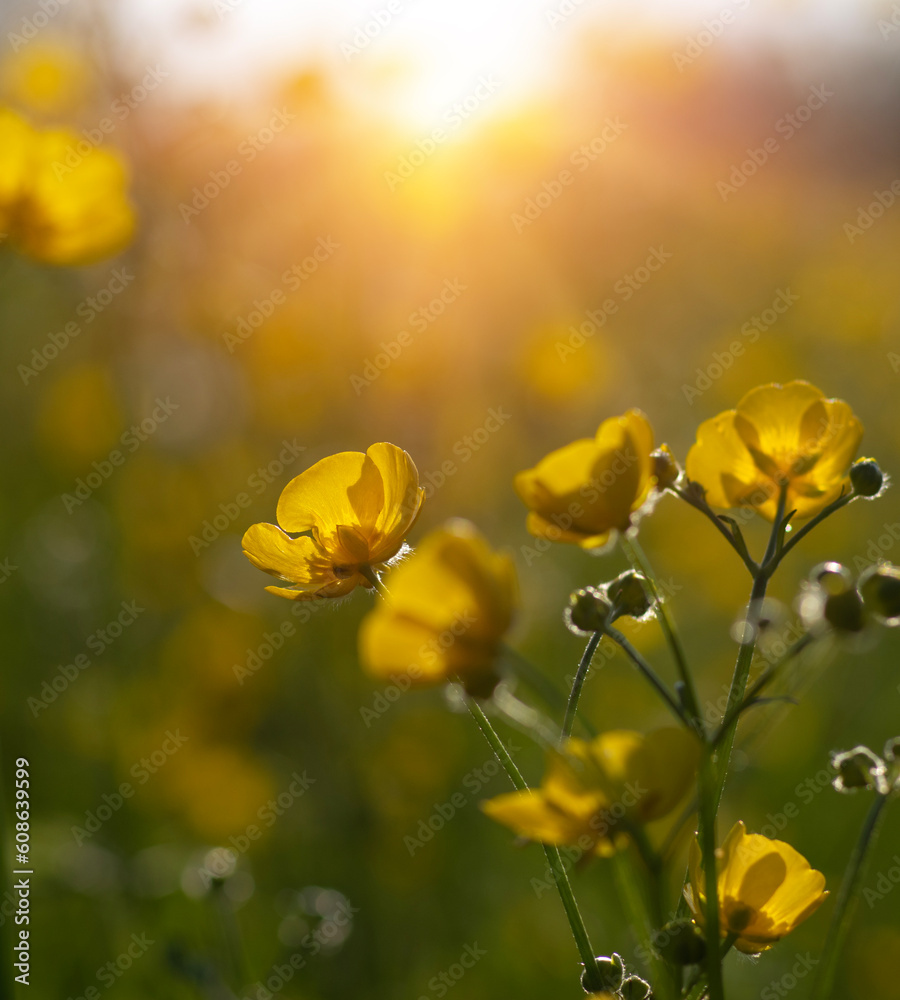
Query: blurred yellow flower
{"points": [[766, 889], [787, 435], [448, 608], [48, 78], [593, 791], [584, 492], [358, 508], [62, 200]]}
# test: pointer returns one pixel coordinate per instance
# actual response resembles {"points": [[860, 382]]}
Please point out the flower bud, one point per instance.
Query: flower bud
{"points": [[858, 768], [588, 611], [892, 749], [634, 988], [880, 589], [665, 468], [610, 974], [628, 594], [833, 577], [845, 612], [684, 943], [866, 477], [831, 597]]}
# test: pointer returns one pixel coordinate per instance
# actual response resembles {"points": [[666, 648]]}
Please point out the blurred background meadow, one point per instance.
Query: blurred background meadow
{"points": [[475, 231]]}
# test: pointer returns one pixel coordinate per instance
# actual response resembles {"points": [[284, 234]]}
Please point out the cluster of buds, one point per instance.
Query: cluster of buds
{"points": [[863, 768], [831, 598], [611, 979], [591, 609]]}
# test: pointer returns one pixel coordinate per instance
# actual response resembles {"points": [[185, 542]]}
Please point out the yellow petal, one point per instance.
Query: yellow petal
{"points": [[782, 420], [299, 560], [529, 815], [402, 498], [390, 644], [319, 498], [720, 462]]}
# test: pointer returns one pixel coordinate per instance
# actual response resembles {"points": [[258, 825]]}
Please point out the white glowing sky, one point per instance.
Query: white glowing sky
{"points": [[435, 51]]}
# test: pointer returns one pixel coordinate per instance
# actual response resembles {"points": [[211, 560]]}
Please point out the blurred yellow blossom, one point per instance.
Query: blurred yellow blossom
{"points": [[766, 889], [61, 203], [49, 78], [448, 608], [787, 435], [593, 791], [584, 492], [358, 508]]}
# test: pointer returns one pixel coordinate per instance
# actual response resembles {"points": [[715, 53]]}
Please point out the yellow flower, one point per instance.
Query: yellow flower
{"points": [[585, 491], [358, 509], [448, 607], [593, 791], [60, 204], [778, 435], [766, 889]]}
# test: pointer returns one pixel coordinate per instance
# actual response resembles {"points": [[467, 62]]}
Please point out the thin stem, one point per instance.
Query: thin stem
{"points": [[745, 653], [759, 685], [584, 665], [651, 675], [639, 560], [835, 505], [708, 512], [375, 580], [846, 902], [708, 803], [554, 859]]}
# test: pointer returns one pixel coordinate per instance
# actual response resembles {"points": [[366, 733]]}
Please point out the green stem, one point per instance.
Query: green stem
{"points": [[745, 653], [639, 560], [645, 916], [846, 902], [554, 859], [708, 807], [375, 580], [776, 557], [644, 667], [759, 685], [581, 673], [708, 512]]}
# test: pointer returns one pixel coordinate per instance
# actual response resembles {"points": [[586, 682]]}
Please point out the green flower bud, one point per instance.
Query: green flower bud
{"points": [[609, 977], [858, 768], [588, 611], [634, 988], [880, 589], [831, 597], [866, 477], [682, 943], [628, 594], [845, 612], [832, 577], [665, 468]]}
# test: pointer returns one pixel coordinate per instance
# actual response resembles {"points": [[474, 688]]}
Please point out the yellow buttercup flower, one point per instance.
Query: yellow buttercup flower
{"points": [[787, 435], [766, 889], [589, 489], [59, 202], [357, 508], [593, 791], [448, 607]]}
